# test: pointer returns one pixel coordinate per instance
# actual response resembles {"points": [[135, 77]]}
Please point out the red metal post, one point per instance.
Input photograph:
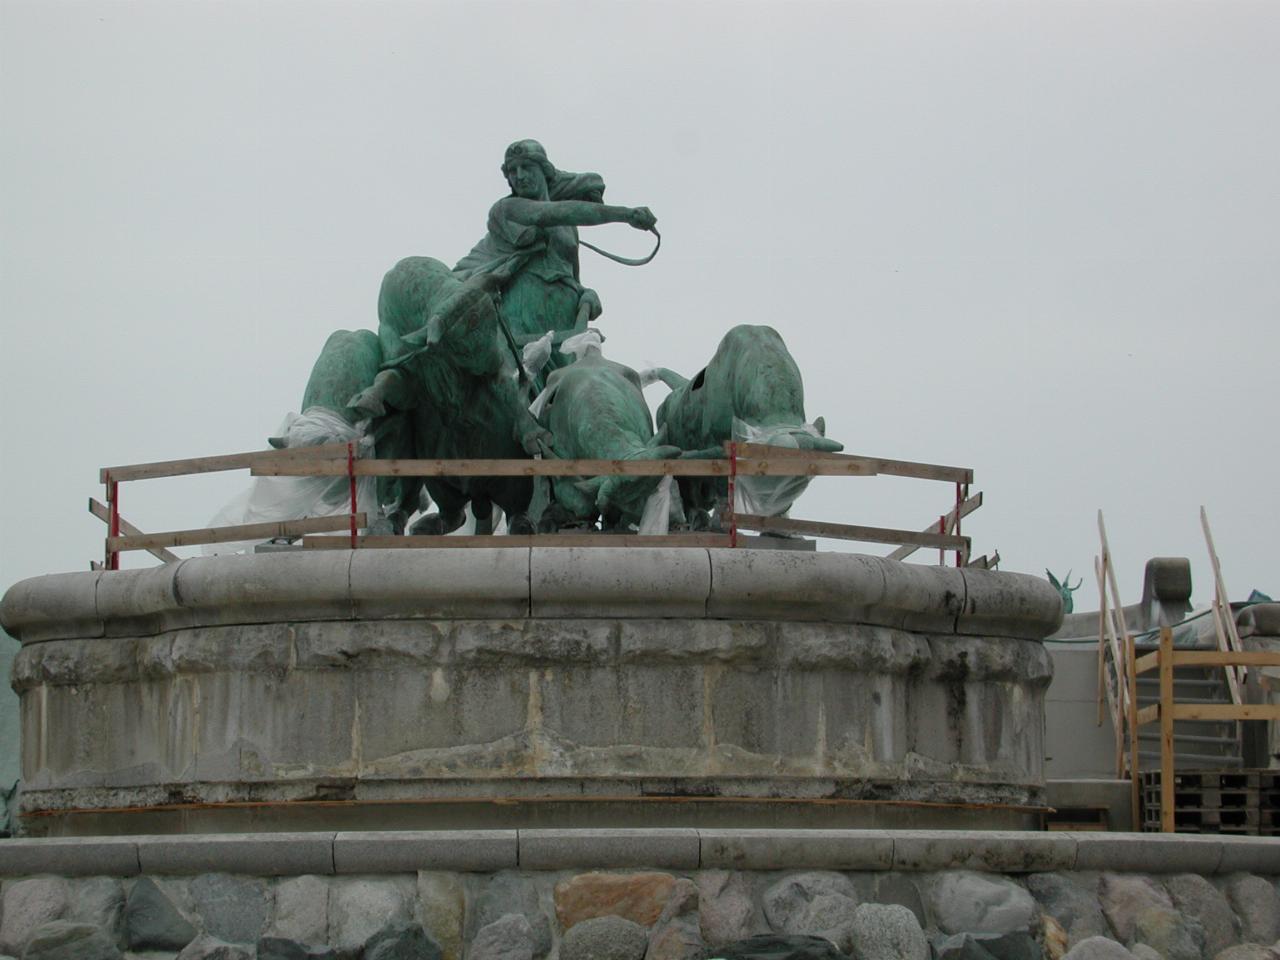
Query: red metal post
{"points": [[959, 501], [942, 529], [351, 478], [733, 492], [113, 528]]}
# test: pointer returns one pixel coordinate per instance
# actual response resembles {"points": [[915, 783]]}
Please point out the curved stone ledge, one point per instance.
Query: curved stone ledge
{"points": [[330, 853], [499, 583]]}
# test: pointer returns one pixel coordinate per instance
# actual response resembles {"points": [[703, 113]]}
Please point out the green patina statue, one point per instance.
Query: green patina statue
{"points": [[1065, 590], [445, 377], [750, 391], [595, 409], [531, 247]]}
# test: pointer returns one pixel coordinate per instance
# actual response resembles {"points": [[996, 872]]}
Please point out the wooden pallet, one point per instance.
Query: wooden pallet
{"points": [[1208, 779], [1242, 802]]}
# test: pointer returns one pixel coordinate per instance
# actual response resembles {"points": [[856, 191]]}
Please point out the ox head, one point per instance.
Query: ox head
{"points": [[627, 495]]}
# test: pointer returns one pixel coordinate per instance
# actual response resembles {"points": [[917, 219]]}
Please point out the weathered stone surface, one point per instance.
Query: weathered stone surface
{"points": [[402, 941], [236, 647], [26, 905], [441, 909], [965, 902], [887, 932], [677, 935], [727, 910], [205, 947], [960, 946], [1173, 935], [605, 938], [67, 940], [98, 901], [361, 909], [772, 946], [1257, 904], [1144, 951], [1098, 948], [510, 937], [1054, 937], [1249, 951], [512, 893], [1072, 905], [816, 903], [151, 920], [1124, 896], [899, 888], [233, 909], [636, 896], [301, 910], [1014, 945], [1197, 898], [284, 948]]}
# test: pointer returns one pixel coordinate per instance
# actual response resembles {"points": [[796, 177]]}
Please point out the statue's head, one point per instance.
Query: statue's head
{"points": [[528, 152]]}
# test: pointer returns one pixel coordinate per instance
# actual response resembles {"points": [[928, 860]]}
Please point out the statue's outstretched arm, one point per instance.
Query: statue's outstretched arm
{"points": [[574, 213]]}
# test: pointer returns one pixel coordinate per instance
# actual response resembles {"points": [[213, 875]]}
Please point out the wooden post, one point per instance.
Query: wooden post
{"points": [[1102, 633], [1135, 796], [1166, 730], [1119, 634], [1224, 622], [112, 559]]}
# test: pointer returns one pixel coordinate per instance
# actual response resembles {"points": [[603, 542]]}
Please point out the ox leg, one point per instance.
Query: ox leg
{"points": [[452, 513], [482, 507]]}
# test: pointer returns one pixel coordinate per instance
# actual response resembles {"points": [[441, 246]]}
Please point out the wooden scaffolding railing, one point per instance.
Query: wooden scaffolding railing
{"points": [[1119, 666], [1165, 659], [342, 460]]}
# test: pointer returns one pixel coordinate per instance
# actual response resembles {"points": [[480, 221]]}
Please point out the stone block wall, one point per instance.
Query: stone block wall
{"points": [[870, 894]]}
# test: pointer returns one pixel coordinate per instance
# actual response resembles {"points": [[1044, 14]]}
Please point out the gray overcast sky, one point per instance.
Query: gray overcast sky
{"points": [[1038, 239]]}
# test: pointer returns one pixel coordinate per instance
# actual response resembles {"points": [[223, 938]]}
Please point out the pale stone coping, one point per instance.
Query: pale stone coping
{"points": [[485, 851], [538, 582]]}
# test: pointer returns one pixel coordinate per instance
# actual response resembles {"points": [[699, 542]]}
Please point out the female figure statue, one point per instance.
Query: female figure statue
{"points": [[531, 247]]}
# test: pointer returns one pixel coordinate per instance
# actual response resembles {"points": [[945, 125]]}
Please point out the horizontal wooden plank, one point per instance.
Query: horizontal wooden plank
{"points": [[537, 540], [1149, 714], [1218, 658], [877, 465], [844, 531], [216, 464], [554, 468], [1226, 711], [1148, 661], [967, 507], [103, 513], [242, 531]]}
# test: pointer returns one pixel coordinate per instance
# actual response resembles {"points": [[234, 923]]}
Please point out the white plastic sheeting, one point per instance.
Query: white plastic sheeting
{"points": [[770, 496], [580, 344], [535, 355], [656, 519], [272, 499]]}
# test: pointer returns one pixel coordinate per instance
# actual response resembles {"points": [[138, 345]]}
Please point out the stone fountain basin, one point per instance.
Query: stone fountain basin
{"points": [[482, 684]]}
